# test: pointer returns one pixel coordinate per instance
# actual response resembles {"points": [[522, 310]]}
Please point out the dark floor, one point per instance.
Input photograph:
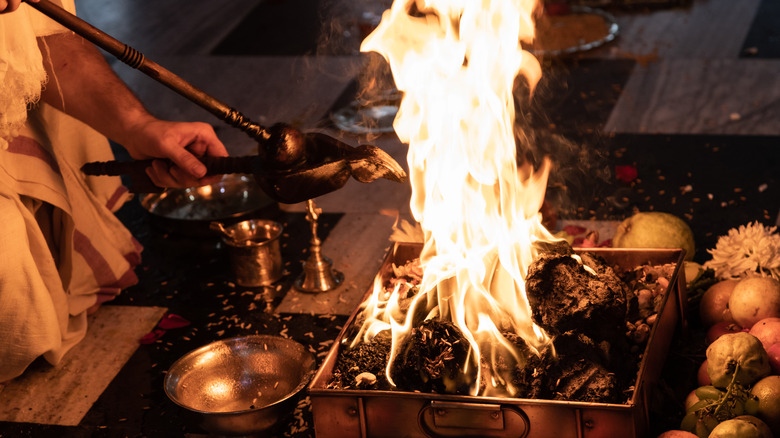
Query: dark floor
{"points": [[714, 181]]}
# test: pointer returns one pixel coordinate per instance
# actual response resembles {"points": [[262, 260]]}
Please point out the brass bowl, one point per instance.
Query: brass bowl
{"points": [[241, 386]]}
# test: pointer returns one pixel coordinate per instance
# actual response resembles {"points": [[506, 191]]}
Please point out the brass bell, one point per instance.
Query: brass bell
{"points": [[318, 273]]}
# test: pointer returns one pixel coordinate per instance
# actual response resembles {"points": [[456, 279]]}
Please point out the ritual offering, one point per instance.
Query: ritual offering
{"points": [[612, 312]]}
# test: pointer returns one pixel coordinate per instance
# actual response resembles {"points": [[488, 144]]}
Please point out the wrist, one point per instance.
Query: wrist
{"points": [[133, 131]]}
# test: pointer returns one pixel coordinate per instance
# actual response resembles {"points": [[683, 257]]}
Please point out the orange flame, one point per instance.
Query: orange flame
{"points": [[456, 62]]}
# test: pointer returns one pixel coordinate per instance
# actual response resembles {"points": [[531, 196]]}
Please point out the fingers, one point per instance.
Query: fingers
{"points": [[176, 147], [163, 174], [188, 163], [9, 5], [196, 139], [206, 141]]}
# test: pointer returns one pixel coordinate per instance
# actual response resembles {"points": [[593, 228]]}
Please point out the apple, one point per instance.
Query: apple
{"points": [[721, 329], [753, 299], [677, 434], [714, 305], [767, 331], [702, 376], [691, 400], [774, 358]]}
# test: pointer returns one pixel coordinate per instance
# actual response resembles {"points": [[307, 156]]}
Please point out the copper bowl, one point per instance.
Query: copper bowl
{"points": [[241, 386]]}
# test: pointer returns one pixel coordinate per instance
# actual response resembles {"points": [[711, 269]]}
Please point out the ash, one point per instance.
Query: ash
{"points": [[599, 321]]}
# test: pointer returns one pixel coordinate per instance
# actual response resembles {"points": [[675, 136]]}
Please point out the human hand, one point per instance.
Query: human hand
{"points": [[97, 96], [11, 5], [180, 142]]}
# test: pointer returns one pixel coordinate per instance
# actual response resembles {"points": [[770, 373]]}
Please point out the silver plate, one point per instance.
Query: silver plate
{"points": [[371, 114], [360, 119]]}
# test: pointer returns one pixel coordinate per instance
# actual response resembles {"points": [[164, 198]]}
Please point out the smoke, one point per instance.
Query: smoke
{"points": [[579, 167], [346, 24]]}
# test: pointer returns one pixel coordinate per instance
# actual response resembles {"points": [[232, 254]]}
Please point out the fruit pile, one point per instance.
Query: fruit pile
{"points": [[738, 298], [739, 392]]}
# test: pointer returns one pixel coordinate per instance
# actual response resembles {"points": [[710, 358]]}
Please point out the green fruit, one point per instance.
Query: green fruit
{"points": [[738, 408], [655, 229], [751, 406], [689, 421], [708, 392], [693, 271], [705, 426], [701, 404], [739, 354]]}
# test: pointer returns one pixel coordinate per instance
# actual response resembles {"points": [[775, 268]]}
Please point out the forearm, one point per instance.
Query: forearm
{"points": [[83, 85]]}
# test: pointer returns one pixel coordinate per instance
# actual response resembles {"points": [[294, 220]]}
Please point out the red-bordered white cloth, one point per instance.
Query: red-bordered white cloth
{"points": [[62, 249]]}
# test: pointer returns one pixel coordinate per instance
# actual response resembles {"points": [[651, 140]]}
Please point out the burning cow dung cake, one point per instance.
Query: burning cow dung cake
{"points": [[432, 360], [568, 292]]}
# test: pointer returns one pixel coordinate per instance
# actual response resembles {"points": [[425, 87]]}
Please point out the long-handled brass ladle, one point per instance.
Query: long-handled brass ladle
{"points": [[291, 166]]}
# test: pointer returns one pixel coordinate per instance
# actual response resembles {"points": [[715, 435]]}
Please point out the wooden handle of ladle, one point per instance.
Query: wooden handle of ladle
{"points": [[214, 166], [138, 61]]}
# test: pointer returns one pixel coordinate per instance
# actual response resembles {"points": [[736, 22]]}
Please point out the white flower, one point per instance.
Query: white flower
{"points": [[752, 249]]}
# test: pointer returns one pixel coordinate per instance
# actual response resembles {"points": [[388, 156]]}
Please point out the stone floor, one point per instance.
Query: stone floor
{"points": [[689, 96]]}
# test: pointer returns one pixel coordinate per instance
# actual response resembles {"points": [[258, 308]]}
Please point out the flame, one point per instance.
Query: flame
{"points": [[456, 62]]}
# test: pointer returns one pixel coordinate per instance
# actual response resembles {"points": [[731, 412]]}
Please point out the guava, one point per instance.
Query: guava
{"points": [[655, 229], [753, 299], [739, 354], [744, 426]]}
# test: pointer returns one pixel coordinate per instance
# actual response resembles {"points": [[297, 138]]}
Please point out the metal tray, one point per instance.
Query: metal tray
{"points": [[392, 414], [611, 33]]}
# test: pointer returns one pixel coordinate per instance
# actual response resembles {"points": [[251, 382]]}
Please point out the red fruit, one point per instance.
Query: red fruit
{"points": [[677, 434], [702, 377], [720, 329], [714, 305], [767, 331], [774, 358], [691, 399]]}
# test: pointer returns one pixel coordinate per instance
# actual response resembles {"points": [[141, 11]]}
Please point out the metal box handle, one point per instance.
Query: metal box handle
{"points": [[441, 419]]}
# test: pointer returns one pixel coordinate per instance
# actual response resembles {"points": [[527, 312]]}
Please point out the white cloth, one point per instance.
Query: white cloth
{"points": [[62, 250], [21, 64]]}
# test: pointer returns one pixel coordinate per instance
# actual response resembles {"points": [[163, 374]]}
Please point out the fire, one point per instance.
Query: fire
{"points": [[456, 62]]}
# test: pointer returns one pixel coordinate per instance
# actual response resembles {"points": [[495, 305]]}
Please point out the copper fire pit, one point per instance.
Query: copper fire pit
{"points": [[392, 414]]}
